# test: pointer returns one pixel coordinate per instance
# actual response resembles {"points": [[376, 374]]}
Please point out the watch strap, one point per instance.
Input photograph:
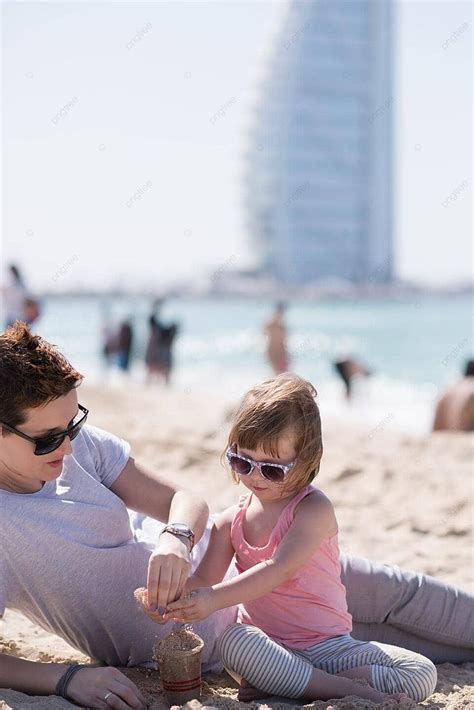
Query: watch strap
{"points": [[187, 533]]}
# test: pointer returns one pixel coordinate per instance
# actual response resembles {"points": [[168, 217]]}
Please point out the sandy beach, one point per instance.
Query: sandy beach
{"points": [[398, 499]]}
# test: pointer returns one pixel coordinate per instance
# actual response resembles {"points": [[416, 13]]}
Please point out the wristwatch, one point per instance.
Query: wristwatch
{"points": [[180, 530]]}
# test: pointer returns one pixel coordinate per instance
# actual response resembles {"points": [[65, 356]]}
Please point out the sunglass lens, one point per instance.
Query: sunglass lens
{"points": [[75, 431], [240, 466], [273, 473], [48, 445]]}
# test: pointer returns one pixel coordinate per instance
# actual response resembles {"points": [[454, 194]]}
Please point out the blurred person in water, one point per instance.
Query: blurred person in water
{"points": [[455, 408], [347, 368], [275, 332]]}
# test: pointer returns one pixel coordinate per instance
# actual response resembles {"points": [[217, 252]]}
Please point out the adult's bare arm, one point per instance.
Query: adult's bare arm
{"points": [[88, 686], [147, 492]]}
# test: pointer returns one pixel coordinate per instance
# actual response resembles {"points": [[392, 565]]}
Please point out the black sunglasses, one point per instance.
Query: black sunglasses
{"points": [[47, 444]]}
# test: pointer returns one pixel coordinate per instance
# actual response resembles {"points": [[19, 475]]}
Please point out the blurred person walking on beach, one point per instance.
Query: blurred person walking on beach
{"points": [[347, 369], [109, 345], [275, 331], [69, 488], [109, 337], [116, 341], [152, 349], [159, 350], [18, 303], [455, 409], [124, 345]]}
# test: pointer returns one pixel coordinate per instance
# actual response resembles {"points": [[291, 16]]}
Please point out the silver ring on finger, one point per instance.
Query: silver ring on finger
{"points": [[107, 696]]}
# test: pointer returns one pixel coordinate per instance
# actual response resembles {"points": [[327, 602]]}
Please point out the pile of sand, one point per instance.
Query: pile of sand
{"points": [[399, 499]]}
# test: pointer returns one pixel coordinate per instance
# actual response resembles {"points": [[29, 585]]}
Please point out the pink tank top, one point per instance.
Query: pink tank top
{"points": [[307, 609]]}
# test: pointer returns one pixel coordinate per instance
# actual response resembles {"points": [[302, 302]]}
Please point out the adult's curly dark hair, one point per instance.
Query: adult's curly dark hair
{"points": [[32, 373]]}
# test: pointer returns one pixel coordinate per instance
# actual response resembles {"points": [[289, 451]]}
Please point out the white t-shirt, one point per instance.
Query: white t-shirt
{"points": [[70, 559]]}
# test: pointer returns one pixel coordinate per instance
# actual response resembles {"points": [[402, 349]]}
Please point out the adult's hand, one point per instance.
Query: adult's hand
{"points": [[90, 686], [168, 569]]}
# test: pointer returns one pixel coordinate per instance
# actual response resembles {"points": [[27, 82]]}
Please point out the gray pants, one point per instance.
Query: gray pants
{"points": [[407, 609]]}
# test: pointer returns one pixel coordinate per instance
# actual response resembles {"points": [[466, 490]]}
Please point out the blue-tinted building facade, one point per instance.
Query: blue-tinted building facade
{"points": [[319, 180]]}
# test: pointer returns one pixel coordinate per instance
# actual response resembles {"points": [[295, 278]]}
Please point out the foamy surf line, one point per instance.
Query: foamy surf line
{"points": [[379, 403]]}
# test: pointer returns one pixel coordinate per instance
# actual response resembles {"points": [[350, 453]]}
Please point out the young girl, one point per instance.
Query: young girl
{"points": [[293, 636]]}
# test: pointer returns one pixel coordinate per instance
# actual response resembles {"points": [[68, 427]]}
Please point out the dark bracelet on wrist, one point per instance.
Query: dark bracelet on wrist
{"points": [[63, 682]]}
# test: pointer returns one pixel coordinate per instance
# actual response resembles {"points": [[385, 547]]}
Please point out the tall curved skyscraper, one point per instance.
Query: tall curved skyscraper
{"points": [[319, 178]]}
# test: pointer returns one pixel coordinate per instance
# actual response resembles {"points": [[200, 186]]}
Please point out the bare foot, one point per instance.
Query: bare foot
{"points": [[376, 696], [398, 697], [247, 693]]}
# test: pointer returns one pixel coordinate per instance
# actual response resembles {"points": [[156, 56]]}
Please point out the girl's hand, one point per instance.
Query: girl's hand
{"points": [[193, 606], [89, 686]]}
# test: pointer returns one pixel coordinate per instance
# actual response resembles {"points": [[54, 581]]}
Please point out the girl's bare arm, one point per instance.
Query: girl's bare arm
{"points": [[314, 522], [218, 555]]}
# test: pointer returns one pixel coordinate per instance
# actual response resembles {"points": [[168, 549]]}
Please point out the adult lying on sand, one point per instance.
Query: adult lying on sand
{"points": [[70, 558], [455, 409]]}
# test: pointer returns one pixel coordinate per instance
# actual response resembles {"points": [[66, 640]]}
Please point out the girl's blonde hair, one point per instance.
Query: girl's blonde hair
{"points": [[269, 410]]}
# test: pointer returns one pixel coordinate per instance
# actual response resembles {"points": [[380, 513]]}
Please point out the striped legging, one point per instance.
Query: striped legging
{"points": [[247, 652]]}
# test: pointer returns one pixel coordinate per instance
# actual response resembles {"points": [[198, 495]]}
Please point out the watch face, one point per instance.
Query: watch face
{"points": [[182, 528]]}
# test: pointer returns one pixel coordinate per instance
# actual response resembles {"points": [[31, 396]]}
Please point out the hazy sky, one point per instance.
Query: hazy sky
{"points": [[106, 101]]}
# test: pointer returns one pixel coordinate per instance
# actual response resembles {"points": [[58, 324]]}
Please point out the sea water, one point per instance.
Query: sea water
{"points": [[414, 345]]}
